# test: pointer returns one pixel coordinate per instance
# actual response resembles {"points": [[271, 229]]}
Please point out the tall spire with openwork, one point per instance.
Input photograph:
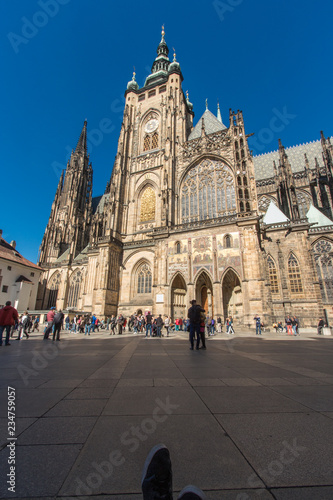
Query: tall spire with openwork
{"points": [[82, 142]]}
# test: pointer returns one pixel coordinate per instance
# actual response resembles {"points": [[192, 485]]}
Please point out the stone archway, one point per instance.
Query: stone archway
{"points": [[232, 296], [204, 293], [178, 298]]}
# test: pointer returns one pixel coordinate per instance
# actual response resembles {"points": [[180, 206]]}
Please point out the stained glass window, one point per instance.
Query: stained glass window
{"points": [[74, 288], [323, 254], [294, 275], [146, 143], [272, 273], [144, 279], [208, 191], [148, 202], [53, 290], [154, 141]]}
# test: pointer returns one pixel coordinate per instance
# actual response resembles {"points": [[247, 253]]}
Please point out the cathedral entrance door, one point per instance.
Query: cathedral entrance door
{"points": [[232, 296], [178, 298], [204, 293]]}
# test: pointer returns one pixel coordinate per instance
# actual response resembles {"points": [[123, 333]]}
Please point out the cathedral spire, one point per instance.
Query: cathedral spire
{"points": [[82, 142], [219, 117]]}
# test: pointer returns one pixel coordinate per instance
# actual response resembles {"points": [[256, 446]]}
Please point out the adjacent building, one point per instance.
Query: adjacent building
{"points": [[19, 277]]}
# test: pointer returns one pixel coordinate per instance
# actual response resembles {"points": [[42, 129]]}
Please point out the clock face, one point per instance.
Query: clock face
{"points": [[151, 125]]}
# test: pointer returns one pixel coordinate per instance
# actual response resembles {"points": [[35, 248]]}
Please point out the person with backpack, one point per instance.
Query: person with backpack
{"points": [[58, 324], [194, 317]]}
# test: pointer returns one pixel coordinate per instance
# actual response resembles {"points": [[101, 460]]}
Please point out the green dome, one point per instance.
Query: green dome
{"points": [[133, 85]]}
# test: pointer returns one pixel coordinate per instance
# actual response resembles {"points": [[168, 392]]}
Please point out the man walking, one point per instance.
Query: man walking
{"points": [[194, 317], [58, 324], [159, 325], [8, 316]]}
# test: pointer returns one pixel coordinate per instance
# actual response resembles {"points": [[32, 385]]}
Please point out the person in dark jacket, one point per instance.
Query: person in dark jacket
{"points": [[58, 324], [194, 317], [8, 317], [159, 324]]}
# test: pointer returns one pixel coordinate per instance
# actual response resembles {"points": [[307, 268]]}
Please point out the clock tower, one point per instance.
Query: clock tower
{"points": [[157, 118]]}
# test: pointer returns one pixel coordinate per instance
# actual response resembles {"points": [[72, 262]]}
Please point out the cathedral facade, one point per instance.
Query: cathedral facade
{"points": [[189, 213]]}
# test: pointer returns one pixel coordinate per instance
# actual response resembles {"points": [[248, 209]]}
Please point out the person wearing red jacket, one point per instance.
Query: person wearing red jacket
{"points": [[8, 316]]}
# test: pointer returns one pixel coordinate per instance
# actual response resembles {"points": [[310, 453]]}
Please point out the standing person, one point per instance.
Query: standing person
{"points": [[294, 325], [177, 324], [194, 317], [58, 321], [120, 322], [258, 324], [320, 326], [149, 319], [181, 324], [159, 325], [49, 318], [213, 326], [219, 325], [202, 330], [289, 324], [108, 323], [8, 317], [167, 324], [67, 321], [74, 324], [36, 324], [113, 323]]}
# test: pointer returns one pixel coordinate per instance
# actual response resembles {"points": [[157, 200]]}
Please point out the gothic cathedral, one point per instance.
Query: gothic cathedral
{"points": [[188, 213]]}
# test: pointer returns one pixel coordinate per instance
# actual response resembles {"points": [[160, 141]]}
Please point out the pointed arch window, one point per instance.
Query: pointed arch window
{"points": [[53, 291], [208, 191], [144, 279], [323, 254], [147, 205], [227, 241], [294, 275], [74, 289], [272, 274], [150, 141], [146, 143], [178, 247]]}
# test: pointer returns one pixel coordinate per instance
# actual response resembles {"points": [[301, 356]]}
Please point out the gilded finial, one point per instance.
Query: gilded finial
{"points": [[186, 94], [163, 32], [174, 54]]}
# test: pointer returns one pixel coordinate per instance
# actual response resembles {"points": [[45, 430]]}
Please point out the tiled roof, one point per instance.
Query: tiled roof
{"points": [[101, 202], [212, 124], [10, 253], [82, 255], [22, 278], [263, 164], [63, 256]]}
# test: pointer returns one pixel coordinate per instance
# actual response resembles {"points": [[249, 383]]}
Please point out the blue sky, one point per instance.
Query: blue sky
{"points": [[67, 60]]}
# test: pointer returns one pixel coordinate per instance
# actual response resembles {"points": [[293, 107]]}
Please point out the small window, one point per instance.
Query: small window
{"points": [[32, 274], [227, 241], [9, 268], [248, 209], [151, 93], [237, 156], [236, 144], [241, 143], [239, 181], [178, 247], [240, 193], [245, 181], [5, 288], [162, 89], [142, 97]]}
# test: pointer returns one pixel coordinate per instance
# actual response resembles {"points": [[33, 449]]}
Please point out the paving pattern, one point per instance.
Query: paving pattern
{"points": [[249, 418]]}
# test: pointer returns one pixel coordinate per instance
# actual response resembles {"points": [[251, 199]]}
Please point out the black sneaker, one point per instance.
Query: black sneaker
{"points": [[157, 474], [191, 493]]}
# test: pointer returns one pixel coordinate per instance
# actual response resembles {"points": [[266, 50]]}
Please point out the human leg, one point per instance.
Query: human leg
{"points": [[192, 335], [157, 474], [197, 330]]}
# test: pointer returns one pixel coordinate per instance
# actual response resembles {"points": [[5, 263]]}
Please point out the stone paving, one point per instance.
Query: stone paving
{"points": [[249, 418]]}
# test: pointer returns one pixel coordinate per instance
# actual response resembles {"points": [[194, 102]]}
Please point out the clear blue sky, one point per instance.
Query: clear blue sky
{"points": [[72, 60]]}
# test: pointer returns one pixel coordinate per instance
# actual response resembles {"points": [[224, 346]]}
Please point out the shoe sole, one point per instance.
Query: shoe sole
{"points": [[192, 489]]}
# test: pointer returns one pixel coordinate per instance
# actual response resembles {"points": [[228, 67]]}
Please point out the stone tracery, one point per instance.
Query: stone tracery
{"points": [[208, 191]]}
